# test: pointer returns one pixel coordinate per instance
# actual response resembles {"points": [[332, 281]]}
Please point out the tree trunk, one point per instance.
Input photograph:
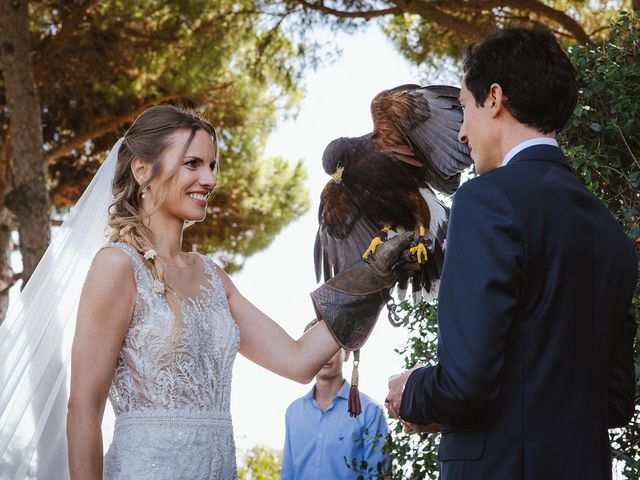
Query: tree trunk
{"points": [[6, 247], [29, 199], [7, 225]]}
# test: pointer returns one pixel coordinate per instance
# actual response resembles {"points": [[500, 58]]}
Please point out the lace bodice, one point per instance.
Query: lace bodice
{"points": [[158, 370]]}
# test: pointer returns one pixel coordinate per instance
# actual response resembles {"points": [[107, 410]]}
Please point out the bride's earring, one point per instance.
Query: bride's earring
{"points": [[144, 191]]}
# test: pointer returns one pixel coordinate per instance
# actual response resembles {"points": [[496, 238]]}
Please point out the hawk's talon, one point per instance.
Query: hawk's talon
{"points": [[375, 243], [420, 251]]}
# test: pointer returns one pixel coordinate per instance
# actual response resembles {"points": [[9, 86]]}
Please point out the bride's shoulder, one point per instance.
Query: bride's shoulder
{"points": [[113, 260], [109, 291]]}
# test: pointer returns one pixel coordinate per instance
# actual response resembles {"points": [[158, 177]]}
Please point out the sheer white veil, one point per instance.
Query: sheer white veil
{"points": [[36, 336]]}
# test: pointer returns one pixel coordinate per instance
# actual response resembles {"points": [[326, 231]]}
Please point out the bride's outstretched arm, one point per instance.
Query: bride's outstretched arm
{"points": [[363, 287], [266, 343], [104, 315]]}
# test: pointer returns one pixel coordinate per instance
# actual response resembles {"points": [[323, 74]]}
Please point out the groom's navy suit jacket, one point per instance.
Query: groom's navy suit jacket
{"points": [[535, 357]]}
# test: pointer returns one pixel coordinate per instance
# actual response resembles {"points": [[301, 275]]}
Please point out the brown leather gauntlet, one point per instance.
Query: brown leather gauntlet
{"points": [[350, 302]]}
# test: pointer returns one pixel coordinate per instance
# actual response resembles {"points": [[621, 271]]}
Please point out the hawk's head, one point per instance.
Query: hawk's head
{"points": [[335, 158]]}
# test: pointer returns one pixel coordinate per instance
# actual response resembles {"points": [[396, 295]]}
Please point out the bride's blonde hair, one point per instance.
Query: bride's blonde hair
{"points": [[148, 139]]}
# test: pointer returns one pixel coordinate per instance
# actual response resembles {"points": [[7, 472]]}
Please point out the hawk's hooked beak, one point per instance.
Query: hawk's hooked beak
{"points": [[337, 176]]}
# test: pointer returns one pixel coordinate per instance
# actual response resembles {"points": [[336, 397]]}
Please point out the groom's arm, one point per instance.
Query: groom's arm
{"points": [[622, 380], [478, 293]]}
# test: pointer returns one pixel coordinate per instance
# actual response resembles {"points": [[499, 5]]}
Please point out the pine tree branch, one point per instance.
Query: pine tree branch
{"points": [[69, 26], [570, 24], [110, 124], [431, 11], [535, 6], [104, 127], [365, 14], [443, 12]]}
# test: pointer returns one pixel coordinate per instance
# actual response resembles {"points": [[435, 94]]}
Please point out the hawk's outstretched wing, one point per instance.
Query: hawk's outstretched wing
{"points": [[343, 232], [419, 126]]}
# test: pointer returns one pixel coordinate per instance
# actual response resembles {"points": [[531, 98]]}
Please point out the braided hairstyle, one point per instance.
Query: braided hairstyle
{"points": [[147, 139]]}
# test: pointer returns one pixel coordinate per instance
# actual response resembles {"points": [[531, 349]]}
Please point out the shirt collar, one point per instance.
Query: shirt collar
{"points": [[310, 393], [342, 393], [526, 144]]}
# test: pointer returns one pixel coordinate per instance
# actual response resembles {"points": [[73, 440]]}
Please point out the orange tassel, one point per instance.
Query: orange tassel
{"points": [[355, 408]]}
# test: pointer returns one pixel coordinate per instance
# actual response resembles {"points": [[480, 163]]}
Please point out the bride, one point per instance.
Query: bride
{"points": [[157, 329]]}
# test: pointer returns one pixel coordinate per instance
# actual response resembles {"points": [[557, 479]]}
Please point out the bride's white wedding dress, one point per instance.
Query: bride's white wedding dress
{"points": [[170, 393]]}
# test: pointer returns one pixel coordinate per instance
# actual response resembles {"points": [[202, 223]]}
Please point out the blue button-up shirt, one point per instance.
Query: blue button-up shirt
{"points": [[318, 446]]}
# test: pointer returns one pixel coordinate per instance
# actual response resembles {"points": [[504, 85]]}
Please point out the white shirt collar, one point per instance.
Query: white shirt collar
{"points": [[526, 144]]}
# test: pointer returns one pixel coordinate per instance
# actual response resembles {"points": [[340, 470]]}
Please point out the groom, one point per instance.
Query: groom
{"points": [[535, 358]]}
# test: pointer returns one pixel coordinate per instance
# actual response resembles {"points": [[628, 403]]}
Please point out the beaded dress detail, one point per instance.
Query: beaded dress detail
{"points": [[171, 392]]}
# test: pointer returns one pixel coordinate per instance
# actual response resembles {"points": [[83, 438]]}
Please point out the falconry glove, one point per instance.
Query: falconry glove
{"points": [[350, 302]]}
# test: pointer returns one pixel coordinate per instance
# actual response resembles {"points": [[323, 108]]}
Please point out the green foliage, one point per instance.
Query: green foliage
{"points": [[426, 42], [261, 463], [428, 31], [100, 64], [415, 455], [361, 467], [603, 136], [254, 203], [603, 141]]}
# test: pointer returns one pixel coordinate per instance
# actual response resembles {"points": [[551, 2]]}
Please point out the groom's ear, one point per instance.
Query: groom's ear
{"points": [[141, 170], [345, 357]]}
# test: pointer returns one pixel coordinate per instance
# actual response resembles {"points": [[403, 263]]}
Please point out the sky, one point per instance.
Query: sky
{"points": [[279, 279]]}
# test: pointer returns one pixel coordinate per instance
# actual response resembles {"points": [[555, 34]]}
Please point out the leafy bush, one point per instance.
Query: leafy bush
{"points": [[415, 456], [261, 463], [603, 141]]}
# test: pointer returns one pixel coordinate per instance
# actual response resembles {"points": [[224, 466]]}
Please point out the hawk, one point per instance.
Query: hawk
{"points": [[387, 180]]}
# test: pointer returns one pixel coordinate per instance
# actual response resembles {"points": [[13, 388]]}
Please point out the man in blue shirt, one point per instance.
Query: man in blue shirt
{"points": [[322, 441]]}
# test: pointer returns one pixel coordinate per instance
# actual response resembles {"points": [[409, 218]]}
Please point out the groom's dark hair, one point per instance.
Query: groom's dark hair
{"points": [[534, 72]]}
